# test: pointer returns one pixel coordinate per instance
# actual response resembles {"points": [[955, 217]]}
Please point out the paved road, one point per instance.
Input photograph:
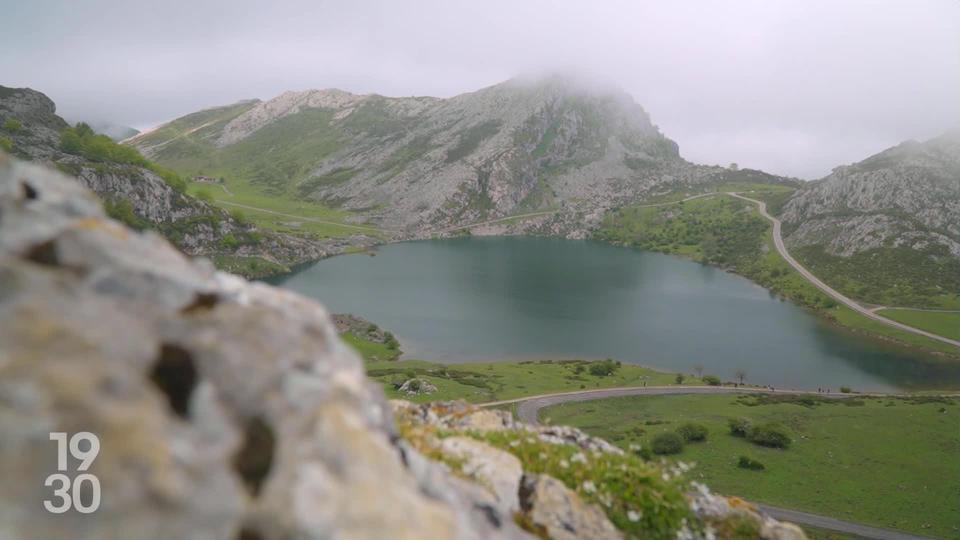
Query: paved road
{"points": [[529, 407], [847, 527], [304, 218], [850, 303]]}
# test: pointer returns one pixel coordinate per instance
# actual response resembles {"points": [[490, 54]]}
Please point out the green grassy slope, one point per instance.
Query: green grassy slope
{"points": [[887, 462], [943, 323], [730, 233]]}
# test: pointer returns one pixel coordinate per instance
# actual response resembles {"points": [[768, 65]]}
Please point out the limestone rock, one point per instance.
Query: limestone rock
{"points": [[494, 469], [224, 408], [549, 504], [417, 387]]}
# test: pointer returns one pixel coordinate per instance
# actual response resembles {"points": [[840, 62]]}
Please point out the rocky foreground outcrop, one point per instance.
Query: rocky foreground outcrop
{"points": [[231, 410]]}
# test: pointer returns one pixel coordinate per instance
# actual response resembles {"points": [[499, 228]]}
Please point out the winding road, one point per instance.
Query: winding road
{"points": [[529, 407], [833, 293]]}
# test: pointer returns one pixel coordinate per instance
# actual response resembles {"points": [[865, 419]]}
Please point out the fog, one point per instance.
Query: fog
{"points": [[792, 87]]}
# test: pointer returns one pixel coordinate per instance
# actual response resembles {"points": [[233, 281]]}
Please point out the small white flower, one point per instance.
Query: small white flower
{"points": [[589, 487], [564, 463], [633, 516], [514, 443], [579, 458], [543, 455], [633, 447], [665, 476]]}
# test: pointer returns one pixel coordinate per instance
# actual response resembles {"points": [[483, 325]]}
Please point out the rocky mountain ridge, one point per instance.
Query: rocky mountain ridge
{"points": [[228, 409], [426, 163], [906, 195], [198, 228]]}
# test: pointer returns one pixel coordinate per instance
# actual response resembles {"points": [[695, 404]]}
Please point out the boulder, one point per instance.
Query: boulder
{"points": [[224, 409], [558, 511]]}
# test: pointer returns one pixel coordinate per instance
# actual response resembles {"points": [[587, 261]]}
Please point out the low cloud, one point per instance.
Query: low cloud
{"points": [[794, 87]]}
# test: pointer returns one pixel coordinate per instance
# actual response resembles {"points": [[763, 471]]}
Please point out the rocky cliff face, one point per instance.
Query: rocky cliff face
{"points": [[226, 409], [196, 227], [428, 163], [908, 196]]}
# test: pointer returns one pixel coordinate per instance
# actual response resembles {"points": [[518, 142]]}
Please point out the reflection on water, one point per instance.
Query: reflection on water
{"points": [[474, 299]]}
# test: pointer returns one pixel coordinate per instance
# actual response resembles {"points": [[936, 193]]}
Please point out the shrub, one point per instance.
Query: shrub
{"points": [[770, 435], [711, 380], [6, 144], [749, 463], [604, 369], [692, 432], [739, 427], [845, 389], [680, 378], [667, 443], [12, 125], [229, 241], [238, 216]]}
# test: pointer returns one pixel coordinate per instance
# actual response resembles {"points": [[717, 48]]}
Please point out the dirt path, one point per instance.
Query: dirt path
{"points": [[494, 221], [304, 218], [850, 303]]}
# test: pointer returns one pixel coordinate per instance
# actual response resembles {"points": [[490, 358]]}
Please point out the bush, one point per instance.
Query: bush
{"points": [[239, 216], [711, 380], [667, 443], [692, 432], [748, 463], [12, 125], [680, 378], [6, 144], [739, 427], [604, 369], [769, 435], [845, 389], [229, 241]]}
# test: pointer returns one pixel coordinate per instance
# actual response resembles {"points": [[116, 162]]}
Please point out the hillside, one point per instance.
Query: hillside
{"points": [[885, 230], [225, 409], [144, 195], [422, 163]]}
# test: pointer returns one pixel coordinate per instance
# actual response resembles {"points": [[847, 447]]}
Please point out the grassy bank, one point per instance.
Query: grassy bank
{"points": [[943, 323], [481, 382], [731, 233], [312, 219], [890, 462]]}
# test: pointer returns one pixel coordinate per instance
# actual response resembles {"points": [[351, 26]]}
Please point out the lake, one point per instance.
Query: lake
{"points": [[517, 298]]}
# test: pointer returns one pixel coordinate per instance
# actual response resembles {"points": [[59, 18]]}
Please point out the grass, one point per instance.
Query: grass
{"points": [[890, 276], [482, 382], [239, 192], [372, 352], [730, 233], [943, 323], [887, 462], [249, 267]]}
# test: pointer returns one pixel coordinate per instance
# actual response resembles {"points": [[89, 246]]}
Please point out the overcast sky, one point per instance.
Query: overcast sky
{"points": [[793, 87]]}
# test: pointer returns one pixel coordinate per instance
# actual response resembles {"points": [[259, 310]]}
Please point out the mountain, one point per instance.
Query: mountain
{"points": [[423, 163], [232, 410], [142, 194], [886, 229]]}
